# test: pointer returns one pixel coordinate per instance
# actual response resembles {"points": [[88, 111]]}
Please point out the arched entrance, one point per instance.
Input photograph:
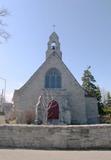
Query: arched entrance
{"points": [[53, 110]]}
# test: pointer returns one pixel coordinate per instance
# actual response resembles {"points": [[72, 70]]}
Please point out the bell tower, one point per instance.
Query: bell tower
{"points": [[54, 46]]}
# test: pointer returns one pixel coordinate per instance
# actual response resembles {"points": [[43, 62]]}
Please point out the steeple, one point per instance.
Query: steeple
{"points": [[54, 46]]}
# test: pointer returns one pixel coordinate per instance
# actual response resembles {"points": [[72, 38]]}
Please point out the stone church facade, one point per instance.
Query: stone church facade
{"points": [[53, 93]]}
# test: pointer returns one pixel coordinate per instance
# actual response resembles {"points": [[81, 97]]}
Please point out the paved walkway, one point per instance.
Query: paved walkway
{"points": [[20, 154]]}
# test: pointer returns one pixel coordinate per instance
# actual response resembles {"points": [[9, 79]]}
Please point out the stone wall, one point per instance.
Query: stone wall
{"points": [[56, 137], [92, 110]]}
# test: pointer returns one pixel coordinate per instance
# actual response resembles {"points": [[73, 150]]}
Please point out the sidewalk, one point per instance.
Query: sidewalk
{"points": [[22, 154]]}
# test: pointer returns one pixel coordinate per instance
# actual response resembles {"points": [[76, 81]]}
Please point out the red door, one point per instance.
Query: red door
{"points": [[53, 110]]}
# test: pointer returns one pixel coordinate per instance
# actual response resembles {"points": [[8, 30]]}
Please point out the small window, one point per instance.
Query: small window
{"points": [[53, 46], [53, 79]]}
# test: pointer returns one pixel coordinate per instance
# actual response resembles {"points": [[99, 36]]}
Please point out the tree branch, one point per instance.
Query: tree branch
{"points": [[3, 12], [4, 35]]}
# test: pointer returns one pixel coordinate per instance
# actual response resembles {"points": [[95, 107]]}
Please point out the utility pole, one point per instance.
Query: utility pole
{"points": [[3, 96]]}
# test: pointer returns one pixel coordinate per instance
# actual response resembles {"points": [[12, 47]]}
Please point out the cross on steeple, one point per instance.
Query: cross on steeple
{"points": [[54, 27]]}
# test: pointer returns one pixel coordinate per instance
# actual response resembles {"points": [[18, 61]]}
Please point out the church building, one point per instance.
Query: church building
{"points": [[53, 94]]}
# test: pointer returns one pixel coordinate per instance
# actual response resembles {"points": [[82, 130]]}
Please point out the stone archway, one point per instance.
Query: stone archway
{"points": [[53, 110]]}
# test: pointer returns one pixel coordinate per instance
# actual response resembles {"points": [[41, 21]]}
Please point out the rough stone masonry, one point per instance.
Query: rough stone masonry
{"points": [[56, 136]]}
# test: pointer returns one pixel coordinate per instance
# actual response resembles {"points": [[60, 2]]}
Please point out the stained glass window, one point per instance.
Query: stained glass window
{"points": [[53, 79]]}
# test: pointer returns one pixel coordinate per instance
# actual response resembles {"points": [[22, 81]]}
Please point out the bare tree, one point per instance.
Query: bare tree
{"points": [[4, 35]]}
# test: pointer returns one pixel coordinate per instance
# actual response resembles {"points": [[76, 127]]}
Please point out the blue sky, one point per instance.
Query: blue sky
{"points": [[84, 29]]}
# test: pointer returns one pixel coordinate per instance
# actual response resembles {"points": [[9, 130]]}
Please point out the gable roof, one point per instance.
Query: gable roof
{"points": [[17, 92]]}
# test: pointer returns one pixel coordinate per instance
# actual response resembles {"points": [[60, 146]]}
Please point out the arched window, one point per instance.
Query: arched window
{"points": [[53, 79], [53, 46]]}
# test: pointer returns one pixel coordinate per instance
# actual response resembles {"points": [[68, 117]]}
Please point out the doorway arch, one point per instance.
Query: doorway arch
{"points": [[53, 110]]}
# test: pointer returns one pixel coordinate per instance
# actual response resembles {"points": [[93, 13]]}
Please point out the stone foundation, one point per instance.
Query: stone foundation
{"points": [[56, 137]]}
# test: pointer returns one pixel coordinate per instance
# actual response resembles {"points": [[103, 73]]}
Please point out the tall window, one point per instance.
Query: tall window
{"points": [[53, 79]]}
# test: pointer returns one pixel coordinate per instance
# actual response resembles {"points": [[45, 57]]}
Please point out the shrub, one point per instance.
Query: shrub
{"points": [[100, 108], [29, 116], [105, 119], [2, 113]]}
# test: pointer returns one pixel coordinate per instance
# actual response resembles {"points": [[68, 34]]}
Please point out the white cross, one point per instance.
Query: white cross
{"points": [[54, 27]]}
